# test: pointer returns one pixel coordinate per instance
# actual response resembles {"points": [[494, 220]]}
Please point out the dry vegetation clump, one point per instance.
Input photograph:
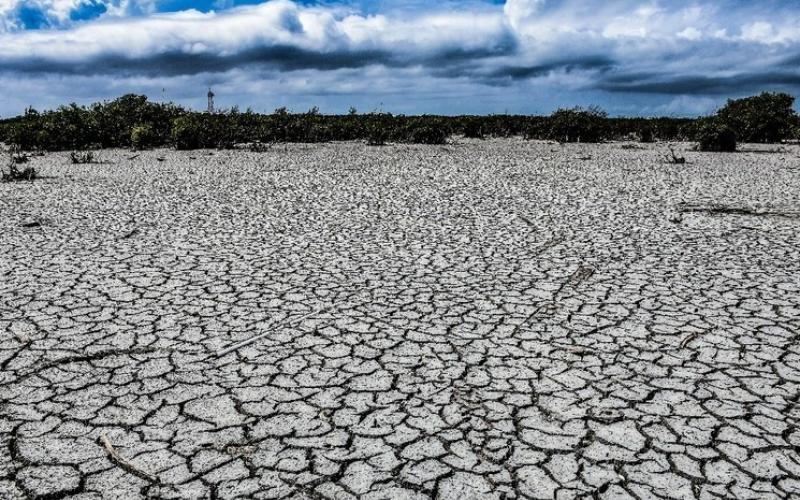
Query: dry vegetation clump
{"points": [[259, 147], [13, 172], [81, 157], [674, 158]]}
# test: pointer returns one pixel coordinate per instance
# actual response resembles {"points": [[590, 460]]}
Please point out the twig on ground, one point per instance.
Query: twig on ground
{"points": [[293, 322], [115, 457], [572, 348], [715, 209], [525, 220], [688, 339]]}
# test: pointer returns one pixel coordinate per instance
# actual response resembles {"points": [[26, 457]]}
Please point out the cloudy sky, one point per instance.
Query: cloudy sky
{"points": [[630, 57]]}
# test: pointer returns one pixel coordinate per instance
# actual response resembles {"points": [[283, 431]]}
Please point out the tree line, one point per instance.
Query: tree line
{"points": [[132, 121]]}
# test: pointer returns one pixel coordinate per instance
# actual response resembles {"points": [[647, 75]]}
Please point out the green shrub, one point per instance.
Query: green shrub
{"points": [[186, 132], [375, 135], [765, 118], [427, 134], [578, 125], [143, 137], [716, 137], [425, 130]]}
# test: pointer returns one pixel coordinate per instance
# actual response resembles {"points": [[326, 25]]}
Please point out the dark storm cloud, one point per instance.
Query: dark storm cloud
{"points": [[281, 57], [695, 84], [521, 72]]}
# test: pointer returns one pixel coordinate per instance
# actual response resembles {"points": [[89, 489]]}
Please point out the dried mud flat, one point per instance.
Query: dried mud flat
{"points": [[498, 319]]}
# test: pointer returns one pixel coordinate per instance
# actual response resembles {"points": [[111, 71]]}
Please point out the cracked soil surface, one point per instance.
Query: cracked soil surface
{"points": [[499, 320]]}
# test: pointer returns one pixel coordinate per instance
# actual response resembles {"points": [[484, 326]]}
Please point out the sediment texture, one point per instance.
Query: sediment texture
{"points": [[502, 319]]}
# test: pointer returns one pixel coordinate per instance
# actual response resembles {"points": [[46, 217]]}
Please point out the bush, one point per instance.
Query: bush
{"points": [[473, 129], [765, 118], [376, 129], [578, 125], [423, 130], [716, 137], [427, 134], [186, 132], [375, 135], [645, 134], [142, 137]]}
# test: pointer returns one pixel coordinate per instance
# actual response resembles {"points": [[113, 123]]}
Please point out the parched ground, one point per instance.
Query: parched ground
{"points": [[500, 319]]}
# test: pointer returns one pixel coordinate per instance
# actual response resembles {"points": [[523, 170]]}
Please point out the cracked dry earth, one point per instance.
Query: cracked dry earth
{"points": [[498, 320]]}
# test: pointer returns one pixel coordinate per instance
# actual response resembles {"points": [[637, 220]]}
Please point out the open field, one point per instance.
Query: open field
{"points": [[500, 319]]}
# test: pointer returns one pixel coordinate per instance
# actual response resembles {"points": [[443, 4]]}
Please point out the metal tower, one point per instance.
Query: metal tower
{"points": [[210, 101]]}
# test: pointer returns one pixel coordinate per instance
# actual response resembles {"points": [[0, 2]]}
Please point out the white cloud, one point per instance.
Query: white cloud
{"points": [[520, 12], [690, 33], [688, 105], [275, 23]]}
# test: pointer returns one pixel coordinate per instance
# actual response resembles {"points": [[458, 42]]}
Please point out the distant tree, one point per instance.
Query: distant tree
{"points": [[473, 128], [767, 118], [578, 125], [646, 134], [715, 136]]}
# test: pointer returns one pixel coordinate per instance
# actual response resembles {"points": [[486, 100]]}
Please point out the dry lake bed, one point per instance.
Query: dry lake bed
{"points": [[499, 319]]}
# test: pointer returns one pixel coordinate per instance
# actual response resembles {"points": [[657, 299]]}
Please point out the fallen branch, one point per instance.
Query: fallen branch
{"points": [[733, 210], [572, 348], [115, 457], [525, 220], [689, 338], [294, 322]]}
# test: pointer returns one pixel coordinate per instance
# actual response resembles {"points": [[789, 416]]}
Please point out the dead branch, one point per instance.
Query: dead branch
{"points": [[294, 322], [115, 457]]}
